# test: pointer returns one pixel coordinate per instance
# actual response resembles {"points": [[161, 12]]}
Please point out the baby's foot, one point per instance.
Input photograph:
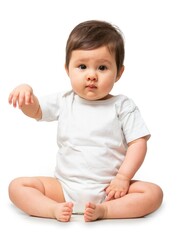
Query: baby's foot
{"points": [[63, 211], [94, 212]]}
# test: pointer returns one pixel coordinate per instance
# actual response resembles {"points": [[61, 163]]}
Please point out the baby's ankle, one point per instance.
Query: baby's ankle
{"points": [[104, 211]]}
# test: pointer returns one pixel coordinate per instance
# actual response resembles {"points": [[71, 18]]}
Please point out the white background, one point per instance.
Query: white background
{"points": [[33, 35]]}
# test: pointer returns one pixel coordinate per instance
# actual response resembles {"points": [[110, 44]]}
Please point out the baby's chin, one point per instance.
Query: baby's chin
{"points": [[93, 97]]}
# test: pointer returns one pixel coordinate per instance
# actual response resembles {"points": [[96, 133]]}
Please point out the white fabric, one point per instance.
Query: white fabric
{"points": [[92, 138]]}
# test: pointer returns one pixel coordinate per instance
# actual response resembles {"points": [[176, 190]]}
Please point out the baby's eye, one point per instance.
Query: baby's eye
{"points": [[82, 66], [102, 67]]}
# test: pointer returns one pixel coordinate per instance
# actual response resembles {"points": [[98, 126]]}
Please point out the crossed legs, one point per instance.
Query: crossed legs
{"points": [[43, 197]]}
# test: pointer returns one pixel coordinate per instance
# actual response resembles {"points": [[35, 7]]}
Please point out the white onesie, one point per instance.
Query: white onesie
{"points": [[92, 137]]}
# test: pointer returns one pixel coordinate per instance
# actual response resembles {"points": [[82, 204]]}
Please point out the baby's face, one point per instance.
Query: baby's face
{"points": [[92, 73]]}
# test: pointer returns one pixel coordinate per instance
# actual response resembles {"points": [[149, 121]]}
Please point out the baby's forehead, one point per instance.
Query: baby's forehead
{"points": [[102, 54]]}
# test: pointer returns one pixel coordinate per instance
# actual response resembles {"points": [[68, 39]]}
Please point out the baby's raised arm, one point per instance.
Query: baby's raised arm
{"points": [[23, 96]]}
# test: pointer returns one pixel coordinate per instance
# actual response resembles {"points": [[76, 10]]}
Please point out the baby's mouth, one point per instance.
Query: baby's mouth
{"points": [[91, 86]]}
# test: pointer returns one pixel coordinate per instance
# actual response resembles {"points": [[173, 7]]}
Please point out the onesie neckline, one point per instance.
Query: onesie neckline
{"points": [[95, 102]]}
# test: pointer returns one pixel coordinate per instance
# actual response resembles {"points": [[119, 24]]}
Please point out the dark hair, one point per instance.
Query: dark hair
{"points": [[93, 34]]}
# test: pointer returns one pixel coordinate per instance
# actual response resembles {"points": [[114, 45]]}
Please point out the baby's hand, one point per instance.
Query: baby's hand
{"points": [[117, 188], [23, 94]]}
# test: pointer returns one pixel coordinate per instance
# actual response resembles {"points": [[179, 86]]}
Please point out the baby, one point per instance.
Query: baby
{"points": [[102, 139]]}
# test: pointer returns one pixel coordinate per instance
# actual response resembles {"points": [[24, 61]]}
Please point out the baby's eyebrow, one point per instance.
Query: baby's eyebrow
{"points": [[99, 61], [104, 61]]}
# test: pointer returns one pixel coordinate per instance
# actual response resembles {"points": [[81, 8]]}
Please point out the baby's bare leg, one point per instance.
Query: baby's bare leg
{"points": [[41, 197], [142, 199]]}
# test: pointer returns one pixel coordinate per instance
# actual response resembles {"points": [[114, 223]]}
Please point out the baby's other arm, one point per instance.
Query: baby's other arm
{"points": [[134, 157], [133, 160], [23, 96]]}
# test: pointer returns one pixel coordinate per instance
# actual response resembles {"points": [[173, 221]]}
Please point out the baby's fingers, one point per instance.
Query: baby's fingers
{"points": [[10, 98], [25, 98], [117, 194], [20, 97], [13, 98], [110, 195]]}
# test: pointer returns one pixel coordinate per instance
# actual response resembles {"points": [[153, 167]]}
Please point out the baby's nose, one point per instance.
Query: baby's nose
{"points": [[92, 77]]}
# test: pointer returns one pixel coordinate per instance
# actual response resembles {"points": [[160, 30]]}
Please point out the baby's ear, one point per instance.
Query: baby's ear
{"points": [[120, 73]]}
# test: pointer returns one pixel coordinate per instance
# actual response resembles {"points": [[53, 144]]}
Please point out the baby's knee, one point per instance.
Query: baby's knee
{"points": [[20, 184], [13, 186], [156, 194]]}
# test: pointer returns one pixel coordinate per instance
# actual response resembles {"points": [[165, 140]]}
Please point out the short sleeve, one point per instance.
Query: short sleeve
{"points": [[132, 123], [51, 106]]}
